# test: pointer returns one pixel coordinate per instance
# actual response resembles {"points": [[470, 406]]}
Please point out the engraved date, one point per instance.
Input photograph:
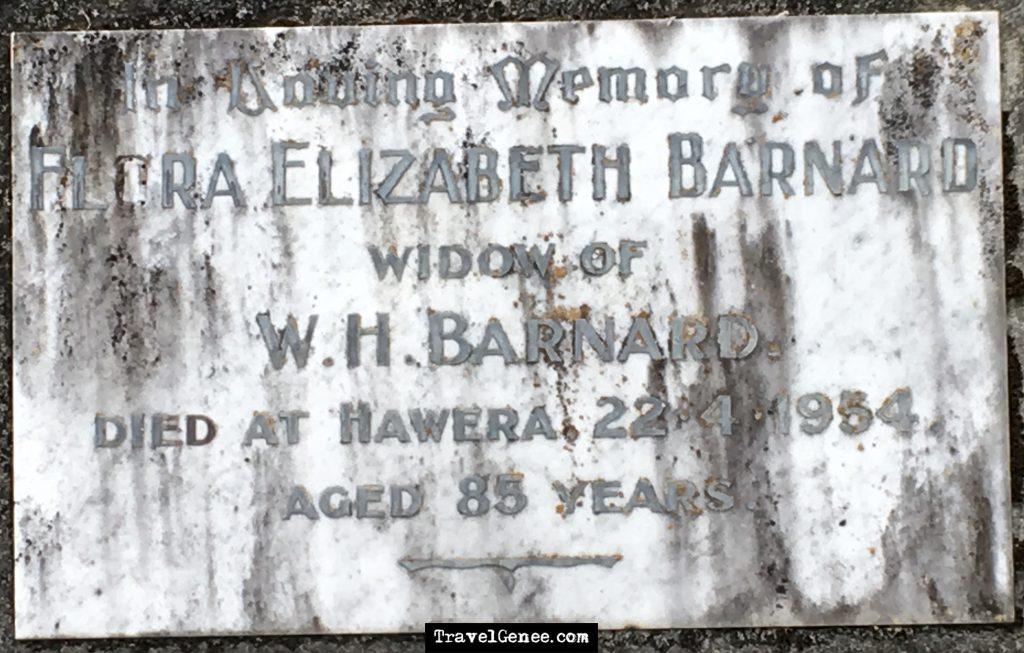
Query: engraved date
{"points": [[649, 416]]}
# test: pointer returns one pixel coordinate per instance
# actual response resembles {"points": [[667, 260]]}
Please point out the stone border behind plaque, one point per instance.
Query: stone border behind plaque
{"points": [[670, 323]]}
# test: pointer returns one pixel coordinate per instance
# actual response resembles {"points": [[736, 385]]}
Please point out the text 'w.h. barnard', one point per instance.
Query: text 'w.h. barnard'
{"points": [[656, 323]]}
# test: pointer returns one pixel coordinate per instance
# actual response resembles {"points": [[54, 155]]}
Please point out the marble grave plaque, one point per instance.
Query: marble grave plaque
{"points": [[667, 323]]}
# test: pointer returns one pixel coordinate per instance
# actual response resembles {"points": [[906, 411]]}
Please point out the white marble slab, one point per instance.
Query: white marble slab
{"points": [[848, 465]]}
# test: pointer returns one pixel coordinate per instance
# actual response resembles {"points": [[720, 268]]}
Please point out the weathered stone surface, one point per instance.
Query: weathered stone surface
{"points": [[787, 421], [886, 639]]}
